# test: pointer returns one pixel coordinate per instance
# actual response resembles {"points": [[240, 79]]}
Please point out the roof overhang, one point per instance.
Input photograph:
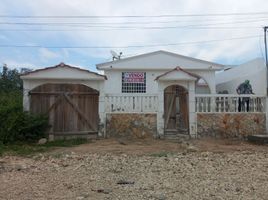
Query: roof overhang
{"points": [[63, 72], [159, 60]]}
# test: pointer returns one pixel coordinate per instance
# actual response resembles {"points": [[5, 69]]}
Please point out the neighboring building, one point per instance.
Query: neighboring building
{"points": [[231, 77], [158, 94]]}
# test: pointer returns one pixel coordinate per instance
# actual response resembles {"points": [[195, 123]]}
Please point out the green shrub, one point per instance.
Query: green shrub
{"points": [[16, 125]]}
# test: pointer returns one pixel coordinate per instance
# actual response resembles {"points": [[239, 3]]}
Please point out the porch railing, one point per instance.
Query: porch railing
{"points": [[125, 103], [229, 103]]}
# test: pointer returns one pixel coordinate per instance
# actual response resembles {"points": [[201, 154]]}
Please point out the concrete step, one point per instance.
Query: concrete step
{"points": [[180, 133], [259, 139], [175, 136]]}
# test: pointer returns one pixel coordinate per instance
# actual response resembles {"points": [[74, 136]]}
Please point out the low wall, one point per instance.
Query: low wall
{"points": [[230, 125], [131, 125]]}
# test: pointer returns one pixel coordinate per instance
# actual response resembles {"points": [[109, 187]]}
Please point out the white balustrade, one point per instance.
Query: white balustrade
{"points": [[205, 103], [125, 103], [229, 103]]}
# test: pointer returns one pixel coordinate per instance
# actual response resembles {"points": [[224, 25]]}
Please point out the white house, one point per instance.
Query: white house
{"points": [[158, 94]]}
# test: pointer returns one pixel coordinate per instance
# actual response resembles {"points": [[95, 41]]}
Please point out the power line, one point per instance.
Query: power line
{"points": [[122, 47], [135, 16], [125, 29], [89, 24], [105, 28]]}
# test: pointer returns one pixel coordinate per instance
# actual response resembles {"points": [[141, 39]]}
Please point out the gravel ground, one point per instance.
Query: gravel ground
{"points": [[186, 174]]}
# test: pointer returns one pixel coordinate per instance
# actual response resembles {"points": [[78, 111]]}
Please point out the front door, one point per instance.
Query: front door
{"points": [[176, 112]]}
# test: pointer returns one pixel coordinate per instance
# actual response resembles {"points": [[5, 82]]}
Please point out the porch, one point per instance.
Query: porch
{"points": [[223, 115]]}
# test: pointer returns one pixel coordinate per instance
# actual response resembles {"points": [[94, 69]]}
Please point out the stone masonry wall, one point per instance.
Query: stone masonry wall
{"points": [[131, 125], [230, 125]]}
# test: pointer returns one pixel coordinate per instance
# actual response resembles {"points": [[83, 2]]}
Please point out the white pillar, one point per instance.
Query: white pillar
{"points": [[192, 113], [160, 112], [102, 114], [26, 96], [212, 88]]}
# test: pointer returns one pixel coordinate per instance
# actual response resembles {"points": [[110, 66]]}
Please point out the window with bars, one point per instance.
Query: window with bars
{"points": [[133, 82]]}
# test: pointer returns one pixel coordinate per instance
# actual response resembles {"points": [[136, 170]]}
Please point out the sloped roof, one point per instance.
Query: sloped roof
{"points": [[61, 65], [170, 55]]}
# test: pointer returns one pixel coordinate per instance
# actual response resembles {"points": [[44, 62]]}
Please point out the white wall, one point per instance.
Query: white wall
{"points": [[202, 89], [254, 70], [113, 83]]}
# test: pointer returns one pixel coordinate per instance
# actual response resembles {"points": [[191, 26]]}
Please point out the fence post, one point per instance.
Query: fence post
{"points": [[213, 103]]}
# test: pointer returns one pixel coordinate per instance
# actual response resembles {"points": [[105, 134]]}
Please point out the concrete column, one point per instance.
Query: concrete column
{"points": [[160, 112], [26, 99], [192, 113], [102, 114], [212, 87]]}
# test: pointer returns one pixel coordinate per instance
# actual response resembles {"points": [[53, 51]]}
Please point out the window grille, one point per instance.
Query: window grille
{"points": [[133, 82]]}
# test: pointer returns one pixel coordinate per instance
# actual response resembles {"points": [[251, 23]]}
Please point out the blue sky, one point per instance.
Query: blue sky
{"points": [[184, 30]]}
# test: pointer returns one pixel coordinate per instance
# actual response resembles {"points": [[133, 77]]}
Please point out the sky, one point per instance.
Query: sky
{"points": [[227, 32]]}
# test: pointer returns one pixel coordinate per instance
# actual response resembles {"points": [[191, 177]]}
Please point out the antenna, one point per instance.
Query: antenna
{"points": [[115, 55]]}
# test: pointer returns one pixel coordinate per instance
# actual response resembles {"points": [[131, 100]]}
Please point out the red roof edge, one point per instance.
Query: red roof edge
{"points": [[64, 65], [178, 68]]}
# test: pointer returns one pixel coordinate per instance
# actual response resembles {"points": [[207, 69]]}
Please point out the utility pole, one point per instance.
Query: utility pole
{"points": [[265, 44], [266, 61]]}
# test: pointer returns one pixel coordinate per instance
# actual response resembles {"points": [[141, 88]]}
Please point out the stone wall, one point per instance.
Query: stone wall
{"points": [[230, 125], [131, 125]]}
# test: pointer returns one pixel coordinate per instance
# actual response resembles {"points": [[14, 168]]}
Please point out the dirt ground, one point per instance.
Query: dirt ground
{"points": [[149, 146], [140, 169]]}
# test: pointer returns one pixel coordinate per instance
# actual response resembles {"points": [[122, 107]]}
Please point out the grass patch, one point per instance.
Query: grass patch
{"points": [[21, 149], [161, 154], [26, 149]]}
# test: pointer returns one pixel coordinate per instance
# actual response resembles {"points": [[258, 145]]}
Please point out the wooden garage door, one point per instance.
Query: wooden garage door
{"points": [[72, 108]]}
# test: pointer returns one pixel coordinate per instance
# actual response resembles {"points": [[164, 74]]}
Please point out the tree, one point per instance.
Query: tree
{"points": [[15, 124], [10, 80]]}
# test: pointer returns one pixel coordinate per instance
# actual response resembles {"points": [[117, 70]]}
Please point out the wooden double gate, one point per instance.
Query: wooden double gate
{"points": [[71, 108]]}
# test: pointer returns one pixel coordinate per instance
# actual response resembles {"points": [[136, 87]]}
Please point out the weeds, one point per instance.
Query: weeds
{"points": [[28, 149]]}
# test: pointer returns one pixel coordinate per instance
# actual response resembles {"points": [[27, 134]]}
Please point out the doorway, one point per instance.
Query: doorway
{"points": [[176, 110]]}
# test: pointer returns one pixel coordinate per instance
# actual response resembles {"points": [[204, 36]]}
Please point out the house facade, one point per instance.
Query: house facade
{"points": [[158, 94]]}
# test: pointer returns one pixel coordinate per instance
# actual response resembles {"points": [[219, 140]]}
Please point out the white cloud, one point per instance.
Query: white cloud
{"points": [[228, 50], [47, 54]]}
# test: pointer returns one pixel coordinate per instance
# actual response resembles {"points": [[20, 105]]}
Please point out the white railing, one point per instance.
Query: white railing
{"points": [[229, 103], [126, 103]]}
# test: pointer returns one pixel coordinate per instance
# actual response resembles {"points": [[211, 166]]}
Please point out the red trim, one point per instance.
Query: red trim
{"points": [[177, 69], [63, 65]]}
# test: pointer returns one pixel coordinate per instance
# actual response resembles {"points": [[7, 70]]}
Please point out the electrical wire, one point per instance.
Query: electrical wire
{"points": [[86, 24], [135, 16], [123, 29], [124, 47]]}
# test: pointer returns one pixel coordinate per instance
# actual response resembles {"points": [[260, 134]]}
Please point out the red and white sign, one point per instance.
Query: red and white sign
{"points": [[133, 77]]}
